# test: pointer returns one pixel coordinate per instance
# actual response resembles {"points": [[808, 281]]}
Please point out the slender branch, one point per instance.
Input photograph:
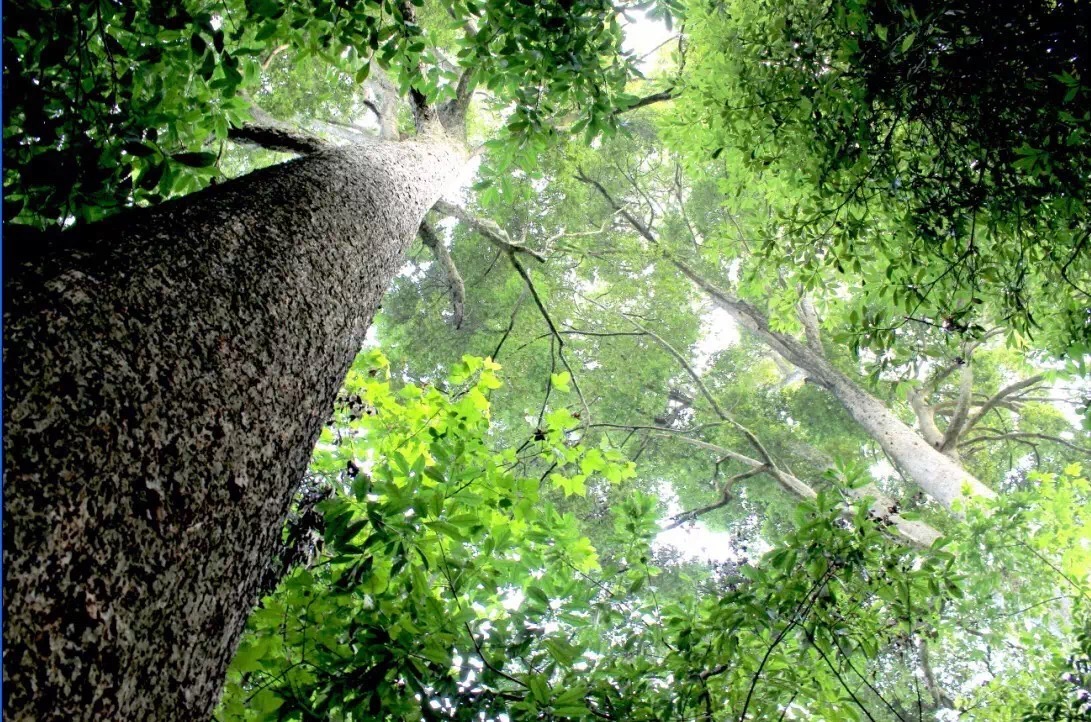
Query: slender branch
{"points": [[1023, 435], [552, 328], [511, 324], [1001, 395], [487, 228], [799, 614], [725, 499], [430, 239], [484, 660], [272, 55], [841, 680]]}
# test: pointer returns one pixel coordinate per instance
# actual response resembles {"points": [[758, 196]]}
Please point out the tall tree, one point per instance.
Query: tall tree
{"points": [[170, 368]]}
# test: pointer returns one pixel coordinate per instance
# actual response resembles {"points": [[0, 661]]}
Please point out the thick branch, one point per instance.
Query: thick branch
{"points": [[809, 318], [660, 97], [744, 313], [917, 533], [939, 475], [430, 239], [464, 92], [343, 131], [926, 418], [939, 697], [386, 107], [957, 423], [270, 134]]}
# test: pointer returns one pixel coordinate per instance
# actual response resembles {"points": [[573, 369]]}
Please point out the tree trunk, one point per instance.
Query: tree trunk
{"points": [[165, 386], [937, 474]]}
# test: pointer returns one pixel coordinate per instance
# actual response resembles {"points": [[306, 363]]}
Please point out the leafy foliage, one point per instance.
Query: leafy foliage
{"points": [[449, 588], [492, 547], [934, 152], [114, 104]]}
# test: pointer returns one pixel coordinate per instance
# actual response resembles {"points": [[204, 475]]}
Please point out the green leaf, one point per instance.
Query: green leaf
{"points": [[201, 159], [137, 148], [538, 688], [151, 176], [536, 594], [561, 381]]}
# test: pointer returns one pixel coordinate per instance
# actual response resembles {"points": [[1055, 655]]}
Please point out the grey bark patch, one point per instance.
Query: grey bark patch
{"points": [[165, 386]]}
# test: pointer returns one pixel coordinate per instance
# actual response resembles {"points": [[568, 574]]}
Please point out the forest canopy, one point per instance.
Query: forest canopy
{"points": [[731, 361]]}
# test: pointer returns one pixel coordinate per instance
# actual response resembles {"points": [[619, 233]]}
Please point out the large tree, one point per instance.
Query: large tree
{"points": [[169, 368]]}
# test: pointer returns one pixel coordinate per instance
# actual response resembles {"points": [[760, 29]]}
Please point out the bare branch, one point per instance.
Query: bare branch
{"points": [[272, 55], [725, 499], [511, 324], [552, 328], [957, 423], [744, 313], [1001, 395], [1023, 436], [487, 228], [430, 239], [883, 510], [660, 97]]}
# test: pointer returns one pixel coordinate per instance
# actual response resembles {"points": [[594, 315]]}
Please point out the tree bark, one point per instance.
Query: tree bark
{"points": [[165, 386]]}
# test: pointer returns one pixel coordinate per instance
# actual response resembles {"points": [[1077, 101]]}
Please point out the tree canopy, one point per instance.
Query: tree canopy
{"points": [[804, 283]]}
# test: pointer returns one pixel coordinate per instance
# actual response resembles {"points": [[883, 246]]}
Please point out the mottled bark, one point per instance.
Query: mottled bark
{"points": [[164, 388]]}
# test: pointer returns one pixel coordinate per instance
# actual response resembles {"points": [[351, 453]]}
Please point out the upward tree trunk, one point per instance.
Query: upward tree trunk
{"points": [[936, 473], [164, 389]]}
